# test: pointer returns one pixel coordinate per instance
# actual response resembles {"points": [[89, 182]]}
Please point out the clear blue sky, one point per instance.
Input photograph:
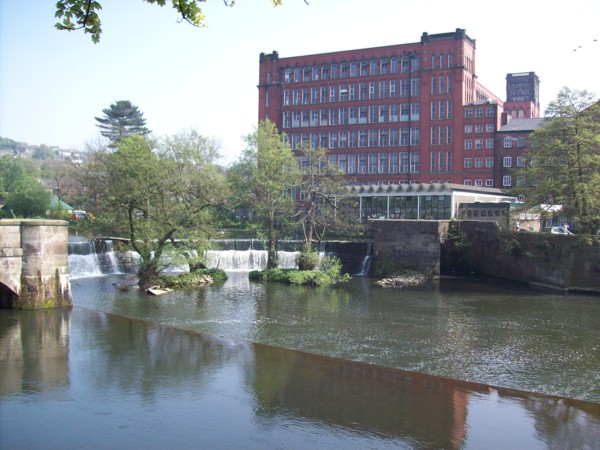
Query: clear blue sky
{"points": [[53, 83]]}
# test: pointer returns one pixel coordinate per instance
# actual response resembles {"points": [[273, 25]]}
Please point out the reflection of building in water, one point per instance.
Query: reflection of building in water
{"points": [[34, 350], [425, 411]]}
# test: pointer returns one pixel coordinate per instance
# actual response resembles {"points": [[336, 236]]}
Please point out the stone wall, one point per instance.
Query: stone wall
{"points": [[567, 262], [43, 278], [408, 245]]}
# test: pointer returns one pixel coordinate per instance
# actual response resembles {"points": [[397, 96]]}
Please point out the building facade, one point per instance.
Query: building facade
{"points": [[399, 114]]}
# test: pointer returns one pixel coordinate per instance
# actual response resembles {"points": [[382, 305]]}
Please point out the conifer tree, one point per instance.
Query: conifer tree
{"points": [[120, 120]]}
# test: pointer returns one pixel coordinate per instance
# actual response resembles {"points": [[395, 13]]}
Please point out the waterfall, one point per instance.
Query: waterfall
{"points": [[247, 259], [365, 268], [89, 258]]}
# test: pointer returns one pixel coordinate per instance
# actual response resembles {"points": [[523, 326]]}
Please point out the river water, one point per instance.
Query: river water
{"points": [[454, 364]]}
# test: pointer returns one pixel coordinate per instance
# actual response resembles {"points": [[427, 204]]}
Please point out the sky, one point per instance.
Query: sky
{"points": [[54, 83]]}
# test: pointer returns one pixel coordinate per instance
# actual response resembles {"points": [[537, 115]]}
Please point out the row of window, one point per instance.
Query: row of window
{"points": [[468, 144], [363, 68], [508, 142], [372, 163], [352, 116], [429, 207], [490, 111], [468, 162], [507, 161], [392, 137], [345, 92], [478, 128], [478, 182]]}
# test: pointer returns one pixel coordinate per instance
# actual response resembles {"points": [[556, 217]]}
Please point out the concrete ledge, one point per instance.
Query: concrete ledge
{"points": [[34, 222]]}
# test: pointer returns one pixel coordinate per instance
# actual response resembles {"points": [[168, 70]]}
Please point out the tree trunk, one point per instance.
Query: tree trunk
{"points": [[271, 243]]}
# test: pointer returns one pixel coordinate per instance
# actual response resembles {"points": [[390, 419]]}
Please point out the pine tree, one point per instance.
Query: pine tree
{"points": [[120, 120]]}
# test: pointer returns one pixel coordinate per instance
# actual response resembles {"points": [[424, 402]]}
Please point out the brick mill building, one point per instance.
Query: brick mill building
{"points": [[400, 114]]}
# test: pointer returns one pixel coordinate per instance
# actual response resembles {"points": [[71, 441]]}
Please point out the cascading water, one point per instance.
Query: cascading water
{"points": [[89, 258], [86, 261]]}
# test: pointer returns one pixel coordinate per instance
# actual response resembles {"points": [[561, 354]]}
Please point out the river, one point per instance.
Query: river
{"points": [[457, 363]]}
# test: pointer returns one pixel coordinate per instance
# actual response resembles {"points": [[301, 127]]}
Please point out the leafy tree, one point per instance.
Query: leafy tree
{"points": [[120, 120], [325, 204], [14, 169], [83, 14], [264, 176], [61, 176], [43, 152], [159, 196], [28, 198], [565, 162], [16, 147]]}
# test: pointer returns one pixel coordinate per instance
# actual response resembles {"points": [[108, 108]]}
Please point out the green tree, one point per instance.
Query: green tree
{"points": [[83, 14], [325, 204], [43, 152], [28, 198], [120, 120], [565, 160], [264, 177], [13, 169], [159, 196]]}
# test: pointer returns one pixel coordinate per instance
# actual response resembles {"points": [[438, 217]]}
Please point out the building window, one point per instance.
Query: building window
{"points": [[415, 111], [404, 136], [478, 112], [478, 163], [521, 142], [404, 112], [383, 89], [287, 119], [479, 183], [507, 142], [297, 74], [373, 68], [490, 111], [468, 113], [344, 70], [489, 143], [394, 65], [506, 180], [520, 181], [372, 90], [468, 163], [468, 144], [404, 64], [393, 137], [287, 77], [324, 72], [468, 183], [433, 60], [433, 85], [334, 71], [449, 135], [384, 67], [489, 127], [489, 183], [479, 128], [404, 87], [468, 128], [415, 138], [362, 138], [478, 144], [489, 161], [507, 161], [415, 87]]}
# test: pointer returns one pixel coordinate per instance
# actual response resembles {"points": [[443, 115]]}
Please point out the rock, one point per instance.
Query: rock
{"points": [[403, 280]]}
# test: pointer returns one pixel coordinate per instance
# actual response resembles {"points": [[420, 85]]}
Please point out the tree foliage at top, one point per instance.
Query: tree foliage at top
{"points": [[565, 159], [160, 196], [264, 177], [120, 120], [84, 14]]}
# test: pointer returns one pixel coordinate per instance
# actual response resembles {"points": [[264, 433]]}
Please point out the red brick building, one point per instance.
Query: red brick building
{"points": [[407, 113]]}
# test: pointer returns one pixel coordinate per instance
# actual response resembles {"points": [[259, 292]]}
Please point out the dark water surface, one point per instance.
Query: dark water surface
{"points": [[85, 379]]}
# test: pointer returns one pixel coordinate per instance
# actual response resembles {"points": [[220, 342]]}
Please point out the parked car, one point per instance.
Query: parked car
{"points": [[560, 230]]}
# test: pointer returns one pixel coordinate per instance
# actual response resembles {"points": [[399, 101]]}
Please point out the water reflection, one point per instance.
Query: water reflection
{"points": [[113, 382], [34, 350]]}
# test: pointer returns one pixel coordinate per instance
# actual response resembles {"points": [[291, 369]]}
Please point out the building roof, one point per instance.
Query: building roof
{"points": [[521, 125], [433, 188]]}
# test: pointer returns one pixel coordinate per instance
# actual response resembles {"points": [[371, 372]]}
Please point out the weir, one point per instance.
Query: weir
{"points": [[92, 258]]}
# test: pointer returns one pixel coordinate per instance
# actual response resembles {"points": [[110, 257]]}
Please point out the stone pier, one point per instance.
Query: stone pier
{"points": [[34, 270]]}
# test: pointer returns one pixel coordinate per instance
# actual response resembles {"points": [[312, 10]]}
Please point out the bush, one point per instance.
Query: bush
{"points": [[308, 259], [329, 272]]}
